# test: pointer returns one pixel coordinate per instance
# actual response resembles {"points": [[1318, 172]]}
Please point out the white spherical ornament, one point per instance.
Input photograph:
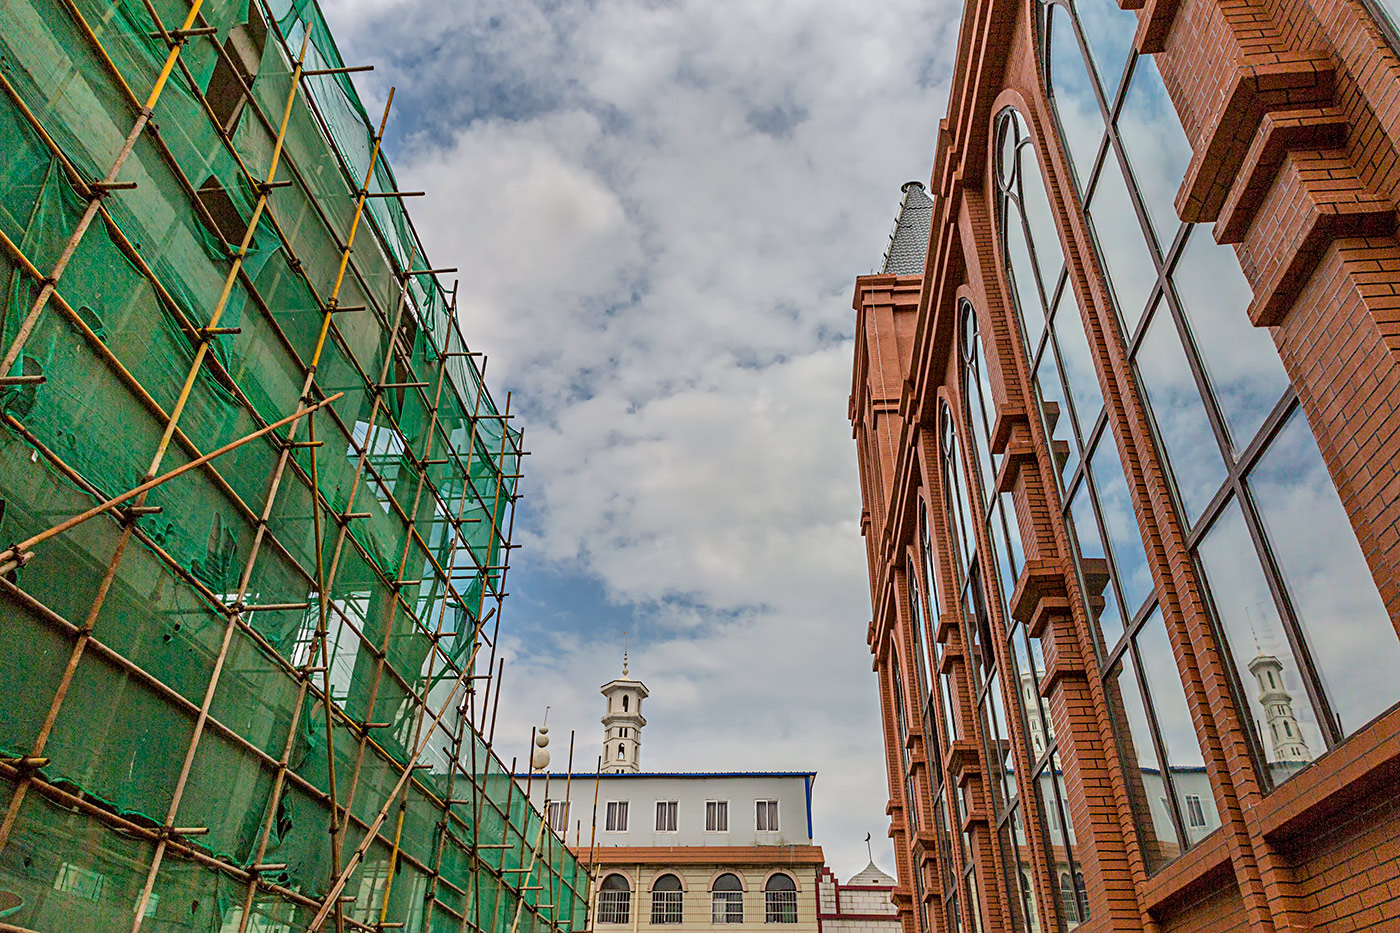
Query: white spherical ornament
{"points": [[542, 740], [540, 759]]}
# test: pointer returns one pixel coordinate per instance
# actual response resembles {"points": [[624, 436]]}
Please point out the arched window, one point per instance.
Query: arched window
{"points": [[1081, 895], [1069, 906], [666, 899], [615, 899], [621, 752], [727, 899], [624, 702], [780, 899], [1277, 557]]}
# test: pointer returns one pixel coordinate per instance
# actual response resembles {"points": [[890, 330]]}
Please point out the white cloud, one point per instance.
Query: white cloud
{"points": [[658, 209]]}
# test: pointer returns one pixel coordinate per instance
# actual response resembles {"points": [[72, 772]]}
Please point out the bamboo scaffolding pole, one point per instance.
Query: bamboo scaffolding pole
{"points": [[26, 326], [534, 857]]}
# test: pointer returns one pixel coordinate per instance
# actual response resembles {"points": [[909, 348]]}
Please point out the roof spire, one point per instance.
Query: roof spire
{"points": [[624, 654]]}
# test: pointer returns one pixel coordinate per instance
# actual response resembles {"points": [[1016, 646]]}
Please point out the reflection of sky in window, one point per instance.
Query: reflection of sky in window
{"points": [[1124, 690], [1123, 249], [1156, 146], [1168, 696], [1251, 623], [1072, 90], [1076, 362], [1023, 275], [1057, 420], [1045, 235], [1086, 533], [1240, 358], [1346, 625], [1116, 510], [1181, 418], [1109, 30]]}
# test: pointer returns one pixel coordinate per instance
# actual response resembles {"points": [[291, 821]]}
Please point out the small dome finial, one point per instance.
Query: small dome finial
{"points": [[624, 654]]}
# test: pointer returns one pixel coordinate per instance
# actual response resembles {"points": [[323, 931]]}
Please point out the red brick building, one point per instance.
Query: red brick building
{"points": [[1129, 443]]}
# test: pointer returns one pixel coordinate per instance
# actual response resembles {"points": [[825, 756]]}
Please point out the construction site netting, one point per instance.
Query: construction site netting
{"points": [[185, 684]]}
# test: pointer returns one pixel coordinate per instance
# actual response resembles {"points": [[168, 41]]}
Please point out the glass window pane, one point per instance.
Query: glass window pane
{"points": [[1180, 415], [1240, 359], [1119, 520], [1268, 672], [1044, 232], [1352, 641], [1038, 732], [1020, 872], [1156, 146], [1109, 30], [1077, 363], [1156, 832], [1183, 750], [1050, 393], [1072, 90], [1121, 243], [1022, 274], [1093, 566]]}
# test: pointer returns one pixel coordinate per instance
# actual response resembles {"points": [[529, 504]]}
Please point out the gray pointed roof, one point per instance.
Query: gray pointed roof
{"points": [[909, 241], [871, 875]]}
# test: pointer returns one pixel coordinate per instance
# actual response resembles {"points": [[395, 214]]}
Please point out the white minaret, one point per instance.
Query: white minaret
{"points": [[622, 723], [1285, 738]]}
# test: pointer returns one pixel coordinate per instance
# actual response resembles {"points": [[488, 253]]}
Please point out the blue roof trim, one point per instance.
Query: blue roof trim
{"points": [[809, 782], [677, 774]]}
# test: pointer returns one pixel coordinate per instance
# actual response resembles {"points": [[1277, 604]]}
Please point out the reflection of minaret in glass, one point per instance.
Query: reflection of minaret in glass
{"points": [[1285, 738], [623, 722]]}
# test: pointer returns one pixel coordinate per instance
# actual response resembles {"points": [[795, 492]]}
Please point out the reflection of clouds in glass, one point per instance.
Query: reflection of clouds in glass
{"points": [[1240, 358], [1180, 415], [1109, 30], [1178, 734], [1044, 233], [1245, 609], [1023, 276], [1076, 362], [1116, 510], [1091, 549], [1072, 90], [1120, 242], [1352, 641], [1156, 145], [1056, 412]]}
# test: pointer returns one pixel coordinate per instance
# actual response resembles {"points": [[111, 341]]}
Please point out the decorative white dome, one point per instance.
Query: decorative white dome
{"points": [[871, 874]]}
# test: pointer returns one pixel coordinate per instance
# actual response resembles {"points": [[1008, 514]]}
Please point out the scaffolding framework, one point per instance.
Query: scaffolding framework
{"points": [[255, 502]]}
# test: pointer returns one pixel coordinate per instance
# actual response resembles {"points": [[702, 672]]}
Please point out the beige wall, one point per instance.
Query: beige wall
{"points": [[696, 900]]}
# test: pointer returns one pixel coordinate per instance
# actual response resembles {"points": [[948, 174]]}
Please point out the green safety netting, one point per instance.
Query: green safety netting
{"points": [[425, 461]]}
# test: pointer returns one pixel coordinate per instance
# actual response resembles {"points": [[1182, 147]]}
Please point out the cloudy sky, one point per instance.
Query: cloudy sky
{"points": [[658, 210]]}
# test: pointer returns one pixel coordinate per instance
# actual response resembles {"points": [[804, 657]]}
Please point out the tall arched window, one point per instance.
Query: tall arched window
{"points": [[666, 900], [727, 899], [624, 702], [615, 900], [780, 899], [1277, 557]]}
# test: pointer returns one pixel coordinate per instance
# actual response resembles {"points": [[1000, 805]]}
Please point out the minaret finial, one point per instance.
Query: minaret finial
{"points": [[624, 654], [867, 849]]}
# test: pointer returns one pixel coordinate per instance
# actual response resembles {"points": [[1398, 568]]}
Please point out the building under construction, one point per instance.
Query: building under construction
{"points": [[255, 502]]}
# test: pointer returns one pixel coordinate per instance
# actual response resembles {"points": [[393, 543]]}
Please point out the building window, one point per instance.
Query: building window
{"points": [[614, 900], [666, 900], [666, 816], [617, 816], [559, 815], [621, 752], [717, 816], [1195, 813], [624, 702], [766, 816], [727, 900], [1068, 904], [1278, 556], [780, 900]]}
